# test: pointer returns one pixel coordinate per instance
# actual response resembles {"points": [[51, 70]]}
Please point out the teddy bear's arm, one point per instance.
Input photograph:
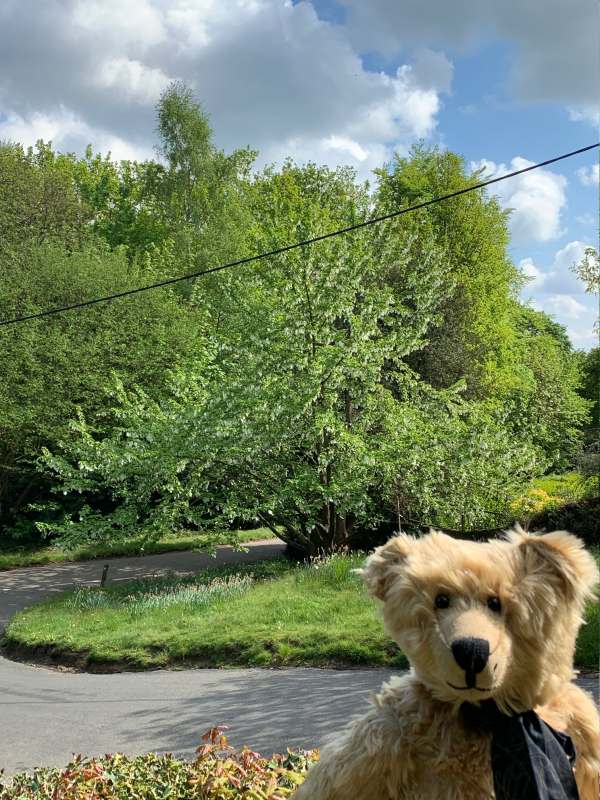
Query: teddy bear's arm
{"points": [[355, 765]]}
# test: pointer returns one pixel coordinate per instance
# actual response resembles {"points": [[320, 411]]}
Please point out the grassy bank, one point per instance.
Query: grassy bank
{"points": [[12, 557], [271, 614]]}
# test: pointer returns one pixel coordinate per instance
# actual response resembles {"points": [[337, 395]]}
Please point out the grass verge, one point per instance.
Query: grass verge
{"points": [[271, 614], [13, 557]]}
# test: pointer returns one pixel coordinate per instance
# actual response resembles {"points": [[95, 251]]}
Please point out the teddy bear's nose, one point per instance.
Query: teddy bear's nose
{"points": [[471, 654]]}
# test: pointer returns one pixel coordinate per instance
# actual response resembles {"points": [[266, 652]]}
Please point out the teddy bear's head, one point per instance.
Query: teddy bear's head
{"points": [[479, 620]]}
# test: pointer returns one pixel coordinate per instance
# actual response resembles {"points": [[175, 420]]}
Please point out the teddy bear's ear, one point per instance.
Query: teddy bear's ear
{"points": [[559, 560], [385, 563]]}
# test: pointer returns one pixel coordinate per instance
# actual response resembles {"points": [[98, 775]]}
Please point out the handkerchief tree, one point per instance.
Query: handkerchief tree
{"points": [[302, 414]]}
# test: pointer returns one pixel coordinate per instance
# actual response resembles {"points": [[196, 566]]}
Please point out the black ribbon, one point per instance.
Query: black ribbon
{"points": [[530, 760]]}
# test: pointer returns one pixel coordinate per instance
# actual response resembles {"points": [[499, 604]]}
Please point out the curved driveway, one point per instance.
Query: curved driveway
{"points": [[46, 715]]}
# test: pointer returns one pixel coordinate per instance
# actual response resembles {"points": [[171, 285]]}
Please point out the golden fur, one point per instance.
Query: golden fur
{"points": [[412, 743]]}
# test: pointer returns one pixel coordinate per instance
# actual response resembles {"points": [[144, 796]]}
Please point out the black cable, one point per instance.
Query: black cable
{"points": [[288, 247]]}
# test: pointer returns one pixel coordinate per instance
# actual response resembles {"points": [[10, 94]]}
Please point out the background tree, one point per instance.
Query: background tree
{"points": [[201, 191], [311, 422], [37, 199], [549, 406], [590, 386], [51, 367], [473, 338]]}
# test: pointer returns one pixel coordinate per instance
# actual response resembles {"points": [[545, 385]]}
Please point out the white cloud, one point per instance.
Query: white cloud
{"points": [[558, 277], [589, 176], [586, 219], [69, 133], [270, 73], [140, 83], [535, 276], [561, 305], [536, 198], [138, 23], [433, 70], [585, 113], [556, 55], [583, 339], [570, 254], [556, 290]]}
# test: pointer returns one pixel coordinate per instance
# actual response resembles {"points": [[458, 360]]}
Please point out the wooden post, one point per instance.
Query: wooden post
{"points": [[104, 574]]}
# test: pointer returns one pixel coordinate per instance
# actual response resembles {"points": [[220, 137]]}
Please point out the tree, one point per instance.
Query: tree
{"points": [[122, 200], [201, 191], [588, 270], [590, 385], [473, 338], [51, 367], [549, 406], [37, 200], [306, 418]]}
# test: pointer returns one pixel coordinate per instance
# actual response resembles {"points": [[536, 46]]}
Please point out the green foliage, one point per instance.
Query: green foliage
{"points": [[548, 494], [123, 200], [141, 600], [54, 366], [382, 375], [513, 357], [566, 487], [202, 189], [459, 466], [472, 338], [37, 200], [590, 386], [219, 772], [303, 414], [548, 405]]}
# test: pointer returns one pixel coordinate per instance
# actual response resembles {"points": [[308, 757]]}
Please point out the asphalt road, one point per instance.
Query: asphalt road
{"points": [[47, 715]]}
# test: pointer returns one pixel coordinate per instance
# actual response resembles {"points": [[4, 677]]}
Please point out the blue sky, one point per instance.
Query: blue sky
{"points": [[348, 82]]}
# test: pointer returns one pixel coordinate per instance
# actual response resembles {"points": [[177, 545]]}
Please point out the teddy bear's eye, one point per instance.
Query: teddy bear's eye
{"points": [[442, 601], [494, 604]]}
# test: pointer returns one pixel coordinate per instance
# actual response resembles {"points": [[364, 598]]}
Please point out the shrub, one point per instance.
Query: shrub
{"points": [[532, 502], [581, 518], [219, 772]]}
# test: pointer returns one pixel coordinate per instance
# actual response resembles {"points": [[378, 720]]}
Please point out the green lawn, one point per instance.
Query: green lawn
{"points": [[270, 614], [12, 557], [569, 486]]}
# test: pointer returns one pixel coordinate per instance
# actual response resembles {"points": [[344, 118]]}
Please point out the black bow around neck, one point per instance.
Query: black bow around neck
{"points": [[530, 760]]}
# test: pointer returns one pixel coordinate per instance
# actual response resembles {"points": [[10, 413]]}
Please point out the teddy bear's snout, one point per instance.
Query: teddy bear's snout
{"points": [[471, 654]]}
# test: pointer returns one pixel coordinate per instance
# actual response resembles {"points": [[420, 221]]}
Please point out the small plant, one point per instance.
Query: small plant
{"points": [[532, 502], [155, 594], [219, 772]]}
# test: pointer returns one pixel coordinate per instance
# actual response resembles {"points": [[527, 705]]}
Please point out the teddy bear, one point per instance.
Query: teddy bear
{"points": [[489, 709]]}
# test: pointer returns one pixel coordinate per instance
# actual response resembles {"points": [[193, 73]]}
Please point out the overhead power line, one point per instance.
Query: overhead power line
{"points": [[286, 248]]}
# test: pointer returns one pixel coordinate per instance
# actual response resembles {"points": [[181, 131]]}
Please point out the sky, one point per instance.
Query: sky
{"points": [[505, 84]]}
